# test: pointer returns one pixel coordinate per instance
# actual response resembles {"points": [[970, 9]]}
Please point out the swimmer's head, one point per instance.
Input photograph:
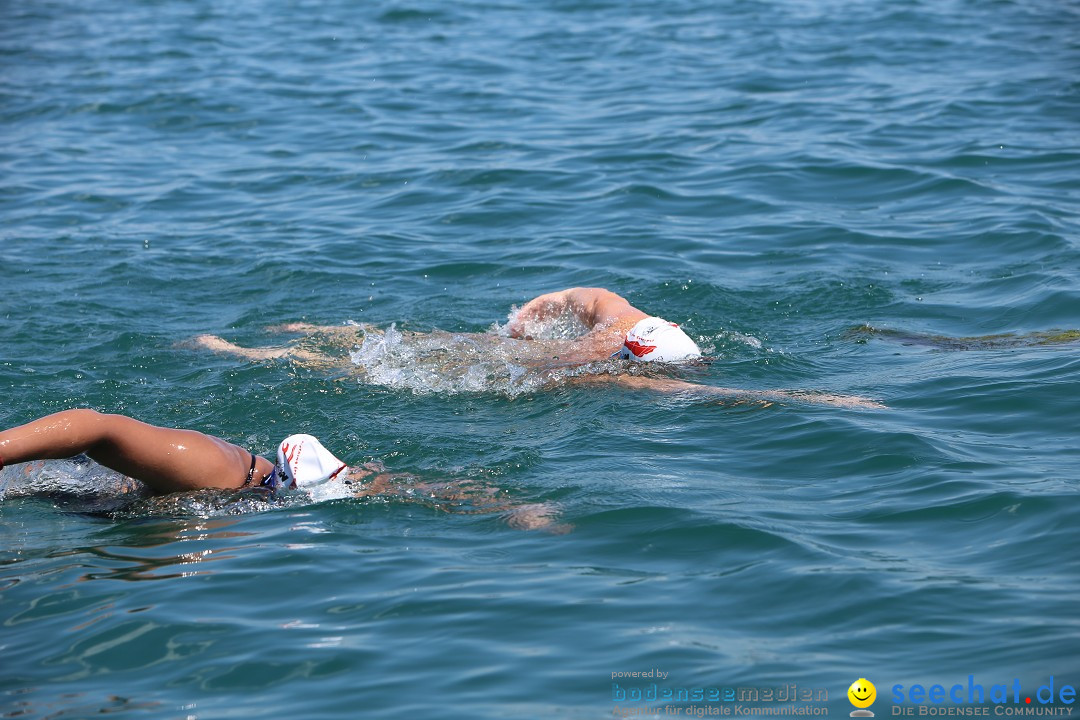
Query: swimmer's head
{"points": [[302, 462], [654, 339]]}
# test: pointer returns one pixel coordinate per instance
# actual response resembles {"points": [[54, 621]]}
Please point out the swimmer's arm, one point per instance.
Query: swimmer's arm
{"points": [[164, 459], [734, 395], [461, 496], [308, 328], [592, 306], [339, 335], [982, 342], [305, 357]]}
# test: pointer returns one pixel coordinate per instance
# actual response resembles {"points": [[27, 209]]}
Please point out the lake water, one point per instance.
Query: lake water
{"points": [[826, 195]]}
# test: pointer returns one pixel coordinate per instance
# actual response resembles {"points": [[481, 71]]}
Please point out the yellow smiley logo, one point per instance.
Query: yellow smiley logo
{"points": [[862, 693]]}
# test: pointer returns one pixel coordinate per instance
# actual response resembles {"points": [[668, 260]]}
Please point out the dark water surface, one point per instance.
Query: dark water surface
{"points": [[823, 194]]}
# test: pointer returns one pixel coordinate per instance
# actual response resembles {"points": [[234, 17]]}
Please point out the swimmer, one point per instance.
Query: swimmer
{"points": [[613, 328], [999, 341], [167, 460]]}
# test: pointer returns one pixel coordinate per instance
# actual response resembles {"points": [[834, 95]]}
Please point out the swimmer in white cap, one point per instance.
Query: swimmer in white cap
{"points": [[616, 328], [169, 460], [613, 329]]}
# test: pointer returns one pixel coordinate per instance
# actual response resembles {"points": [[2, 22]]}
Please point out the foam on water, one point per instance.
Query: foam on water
{"points": [[82, 485], [491, 362], [440, 362]]}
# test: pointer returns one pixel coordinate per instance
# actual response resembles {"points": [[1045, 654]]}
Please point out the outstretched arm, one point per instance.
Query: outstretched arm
{"points": [[307, 357], [594, 308], [981, 342], [458, 496], [345, 336], [735, 395], [166, 460]]}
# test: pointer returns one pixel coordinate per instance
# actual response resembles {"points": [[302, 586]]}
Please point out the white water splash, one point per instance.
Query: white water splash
{"points": [[566, 326], [443, 362]]}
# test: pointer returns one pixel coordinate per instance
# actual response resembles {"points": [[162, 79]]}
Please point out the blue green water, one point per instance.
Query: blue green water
{"points": [[773, 176]]}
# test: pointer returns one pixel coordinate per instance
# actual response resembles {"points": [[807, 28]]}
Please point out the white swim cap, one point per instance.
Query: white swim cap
{"points": [[655, 339], [302, 461]]}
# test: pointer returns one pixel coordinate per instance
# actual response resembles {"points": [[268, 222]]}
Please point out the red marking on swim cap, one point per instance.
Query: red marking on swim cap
{"points": [[637, 348], [291, 452]]}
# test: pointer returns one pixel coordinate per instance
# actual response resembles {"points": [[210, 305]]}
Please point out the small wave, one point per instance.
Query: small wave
{"points": [[76, 482], [728, 342], [81, 485], [208, 503]]}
